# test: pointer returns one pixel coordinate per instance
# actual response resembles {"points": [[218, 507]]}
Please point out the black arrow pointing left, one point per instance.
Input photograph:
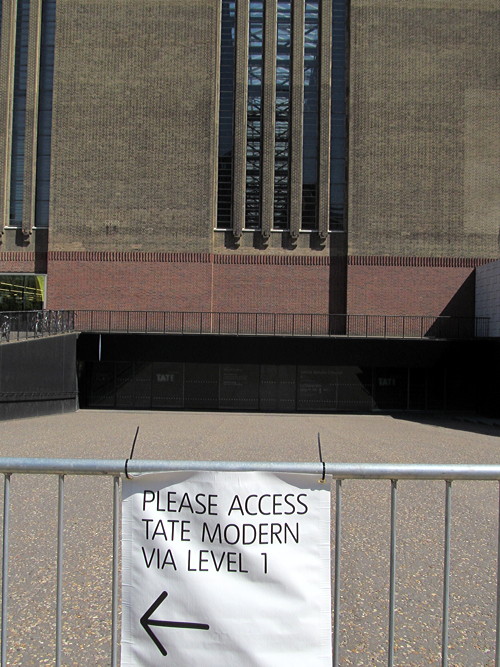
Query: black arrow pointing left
{"points": [[147, 622]]}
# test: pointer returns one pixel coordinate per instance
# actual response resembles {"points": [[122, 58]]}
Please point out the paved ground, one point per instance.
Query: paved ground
{"points": [[222, 436]]}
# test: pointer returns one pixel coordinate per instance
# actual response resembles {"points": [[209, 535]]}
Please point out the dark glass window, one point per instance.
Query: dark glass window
{"points": [[226, 115], [339, 133], [282, 128], [21, 291], [45, 113], [19, 113], [311, 117], [254, 114]]}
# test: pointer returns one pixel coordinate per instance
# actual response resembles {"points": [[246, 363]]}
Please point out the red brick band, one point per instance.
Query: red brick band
{"points": [[209, 258]]}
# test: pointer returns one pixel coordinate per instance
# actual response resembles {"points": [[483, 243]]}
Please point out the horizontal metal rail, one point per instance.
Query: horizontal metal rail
{"points": [[479, 472], [19, 325], [282, 324]]}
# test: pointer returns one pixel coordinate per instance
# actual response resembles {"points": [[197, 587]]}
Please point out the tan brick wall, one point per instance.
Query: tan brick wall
{"points": [[133, 124], [423, 79], [134, 150], [134, 154]]}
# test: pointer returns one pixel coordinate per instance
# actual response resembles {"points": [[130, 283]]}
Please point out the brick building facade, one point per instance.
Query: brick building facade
{"points": [[329, 156]]}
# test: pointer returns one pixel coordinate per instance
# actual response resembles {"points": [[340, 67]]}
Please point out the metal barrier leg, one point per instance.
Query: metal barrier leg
{"points": [[497, 631], [336, 593], [60, 563], [5, 567], [446, 575], [114, 593], [392, 574]]}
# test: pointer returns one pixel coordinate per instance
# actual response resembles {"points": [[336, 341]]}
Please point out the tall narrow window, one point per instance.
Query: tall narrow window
{"points": [[282, 123], [254, 114], [254, 145], [226, 115], [338, 175], [45, 113], [19, 113], [311, 116]]}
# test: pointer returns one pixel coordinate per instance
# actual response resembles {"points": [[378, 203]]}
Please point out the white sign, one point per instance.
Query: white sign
{"points": [[226, 569]]}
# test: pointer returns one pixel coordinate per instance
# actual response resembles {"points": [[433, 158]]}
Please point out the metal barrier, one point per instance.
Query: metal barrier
{"points": [[282, 324], [20, 325], [339, 472]]}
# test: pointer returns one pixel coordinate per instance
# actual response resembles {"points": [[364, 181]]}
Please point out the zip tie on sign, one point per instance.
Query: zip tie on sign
{"points": [[322, 480], [131, 454]]}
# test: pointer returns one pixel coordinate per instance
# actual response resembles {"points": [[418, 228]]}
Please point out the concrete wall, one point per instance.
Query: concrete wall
{"points": [[488, 295], [38, 377]]}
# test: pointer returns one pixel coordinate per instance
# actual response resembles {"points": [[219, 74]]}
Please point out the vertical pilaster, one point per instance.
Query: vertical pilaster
{"points": [[325, 76], [240, 116], [268, 116], [31, 132], [296, 117], [7, 64]]}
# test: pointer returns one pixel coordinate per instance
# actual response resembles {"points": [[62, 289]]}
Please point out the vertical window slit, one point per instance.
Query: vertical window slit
{"points": [[19, 114], [45, 113], [254, 114], [282, 122], [226, 115], [311, 116], [338, 123]]}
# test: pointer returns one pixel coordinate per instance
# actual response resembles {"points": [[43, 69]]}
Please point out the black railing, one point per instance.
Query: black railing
{"points": [[281, 324], [22, 324]]}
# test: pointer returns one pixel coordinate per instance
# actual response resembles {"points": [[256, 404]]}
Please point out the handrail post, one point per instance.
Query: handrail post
{"points": [[446, 576], [114, 574], [60, 561], [392, 573], [337, 572], [5, 566]]}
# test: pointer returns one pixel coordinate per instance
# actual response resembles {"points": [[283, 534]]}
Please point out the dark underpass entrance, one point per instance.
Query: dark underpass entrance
{"points": [[134, 371]]}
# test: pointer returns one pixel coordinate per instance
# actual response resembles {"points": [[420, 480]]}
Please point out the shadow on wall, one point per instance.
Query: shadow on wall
{"points": [[462, 304], [337, 287], [461, 311]]}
